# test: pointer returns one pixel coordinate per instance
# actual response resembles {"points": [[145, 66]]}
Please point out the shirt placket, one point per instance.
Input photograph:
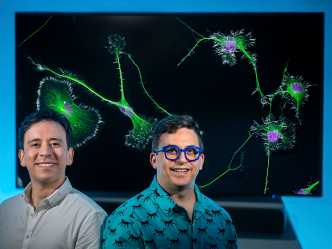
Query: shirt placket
{"points": [[33, 219], [197, 215]]}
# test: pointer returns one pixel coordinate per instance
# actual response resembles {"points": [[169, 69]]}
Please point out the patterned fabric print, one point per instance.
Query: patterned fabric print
{"points": [[153, 220]]}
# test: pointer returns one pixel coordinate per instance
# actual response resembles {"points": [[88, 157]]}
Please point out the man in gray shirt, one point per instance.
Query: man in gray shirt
{"points": [[49, 213]]}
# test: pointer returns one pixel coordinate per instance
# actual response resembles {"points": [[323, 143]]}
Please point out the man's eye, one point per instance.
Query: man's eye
{"points": [[34, 145], [172, 150], [55, 144], [192, 151]]}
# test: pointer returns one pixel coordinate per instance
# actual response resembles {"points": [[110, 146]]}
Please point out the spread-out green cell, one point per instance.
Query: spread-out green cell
{"points": [[57, 95]]}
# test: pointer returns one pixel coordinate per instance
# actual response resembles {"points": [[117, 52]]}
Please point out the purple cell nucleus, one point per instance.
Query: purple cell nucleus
{"points": [[273, 136], [303, 192], [68, 107], [229, 45], [297, 87], [127, 111]]}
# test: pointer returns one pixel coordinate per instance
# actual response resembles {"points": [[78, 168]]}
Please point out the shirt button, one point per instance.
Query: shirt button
{"points": [[31, 214], [51, 203], [27, 237]]}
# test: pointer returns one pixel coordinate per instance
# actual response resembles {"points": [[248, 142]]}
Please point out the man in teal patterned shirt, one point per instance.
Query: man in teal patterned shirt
{"points": [[172, 213]]}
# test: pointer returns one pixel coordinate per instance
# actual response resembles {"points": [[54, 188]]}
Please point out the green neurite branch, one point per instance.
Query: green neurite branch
{"points": [[35, 31], [229, 165], [140, 75]]}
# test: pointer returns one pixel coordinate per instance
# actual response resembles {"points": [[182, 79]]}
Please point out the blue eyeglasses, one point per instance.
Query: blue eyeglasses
{"points": [[172, 152]]}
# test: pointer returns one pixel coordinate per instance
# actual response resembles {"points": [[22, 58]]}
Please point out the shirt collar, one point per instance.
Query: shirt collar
{"points": [[54, 198], [163, 201]]}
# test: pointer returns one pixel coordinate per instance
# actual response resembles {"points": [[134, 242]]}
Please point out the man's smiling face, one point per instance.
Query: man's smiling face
{"points": [[45, 152], [179, 174]]}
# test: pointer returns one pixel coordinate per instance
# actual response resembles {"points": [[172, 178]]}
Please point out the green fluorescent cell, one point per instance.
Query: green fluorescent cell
{"points": [[227, 45], [57, 95], [142, 128], [295, 92]]}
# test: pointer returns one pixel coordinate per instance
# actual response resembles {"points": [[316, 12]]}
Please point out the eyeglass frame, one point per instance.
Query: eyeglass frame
{"points": [[180, 151]]}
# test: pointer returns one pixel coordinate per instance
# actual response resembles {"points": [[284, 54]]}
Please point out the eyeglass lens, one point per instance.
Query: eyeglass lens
{"points": [[173, 153]]}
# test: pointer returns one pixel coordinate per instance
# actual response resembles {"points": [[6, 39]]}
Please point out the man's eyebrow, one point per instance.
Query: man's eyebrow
{"points": [[51, 139], [57, 139], [179, 147], [34, 140]]}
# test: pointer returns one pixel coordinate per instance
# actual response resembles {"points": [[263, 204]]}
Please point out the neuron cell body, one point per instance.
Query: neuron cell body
{"points": [[127, 111], [295, 92]]}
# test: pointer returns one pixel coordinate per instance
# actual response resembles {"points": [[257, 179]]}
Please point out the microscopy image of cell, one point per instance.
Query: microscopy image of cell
{"points": [[142, 127], [295, 92], [226, 46], [57, 95], [306, 191], [237, 41], [276, 134]]}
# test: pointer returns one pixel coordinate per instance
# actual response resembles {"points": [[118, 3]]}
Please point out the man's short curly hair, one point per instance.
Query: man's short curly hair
{"points": [[171, 124]]}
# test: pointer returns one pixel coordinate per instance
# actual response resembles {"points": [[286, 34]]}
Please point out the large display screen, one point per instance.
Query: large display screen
{"points": [[253, 83]]}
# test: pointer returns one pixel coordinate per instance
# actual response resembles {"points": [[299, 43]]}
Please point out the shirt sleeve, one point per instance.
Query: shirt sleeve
{"points": [[91, 232], [122, 232]]}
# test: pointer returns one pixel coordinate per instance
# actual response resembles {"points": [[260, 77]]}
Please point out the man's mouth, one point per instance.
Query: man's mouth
{"points": [[180, 170], [46, 165]]}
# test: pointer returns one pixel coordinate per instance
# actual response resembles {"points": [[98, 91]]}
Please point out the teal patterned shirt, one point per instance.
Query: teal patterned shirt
{"points": [[153, 220]]}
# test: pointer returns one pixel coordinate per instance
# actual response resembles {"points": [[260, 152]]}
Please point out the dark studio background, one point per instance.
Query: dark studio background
{"points": [[217, 96]]}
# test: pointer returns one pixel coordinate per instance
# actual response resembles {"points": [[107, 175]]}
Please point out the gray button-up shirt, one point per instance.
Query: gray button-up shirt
{"points": [[66, 219]]}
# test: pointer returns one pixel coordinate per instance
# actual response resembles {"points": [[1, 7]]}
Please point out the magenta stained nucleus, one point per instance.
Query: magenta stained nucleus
{"points": [[127, 111], [297, 87], [302, 192], [273, 136], [68, 107], [229, 45]]}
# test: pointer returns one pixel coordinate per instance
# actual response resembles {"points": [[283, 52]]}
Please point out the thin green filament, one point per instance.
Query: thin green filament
{"points": [[140, 75], [35, 31], [229, 165], [311, 187], [267, 170]]}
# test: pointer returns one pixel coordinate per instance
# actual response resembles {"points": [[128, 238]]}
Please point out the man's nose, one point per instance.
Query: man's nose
{"points": [[182, 157], [45, 150]]}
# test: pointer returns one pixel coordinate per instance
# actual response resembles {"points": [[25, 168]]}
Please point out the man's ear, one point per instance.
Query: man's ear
{"points": [[70, 156], [153, 160], [202, 161], [22, 158]]}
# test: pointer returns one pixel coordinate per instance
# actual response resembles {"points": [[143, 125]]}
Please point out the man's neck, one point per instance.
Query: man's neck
{"points": [[184, 197], [40, 191]]}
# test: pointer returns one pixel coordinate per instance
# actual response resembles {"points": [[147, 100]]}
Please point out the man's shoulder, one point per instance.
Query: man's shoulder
{"points": [[82, 200], [10, 202], [214, 208]]}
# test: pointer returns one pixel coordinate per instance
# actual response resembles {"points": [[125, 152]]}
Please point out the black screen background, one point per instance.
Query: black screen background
{"points": [[218, 97]]}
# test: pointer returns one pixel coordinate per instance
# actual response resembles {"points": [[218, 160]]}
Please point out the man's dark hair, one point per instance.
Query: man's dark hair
{"points": [[45, 114], [171, 124]]}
